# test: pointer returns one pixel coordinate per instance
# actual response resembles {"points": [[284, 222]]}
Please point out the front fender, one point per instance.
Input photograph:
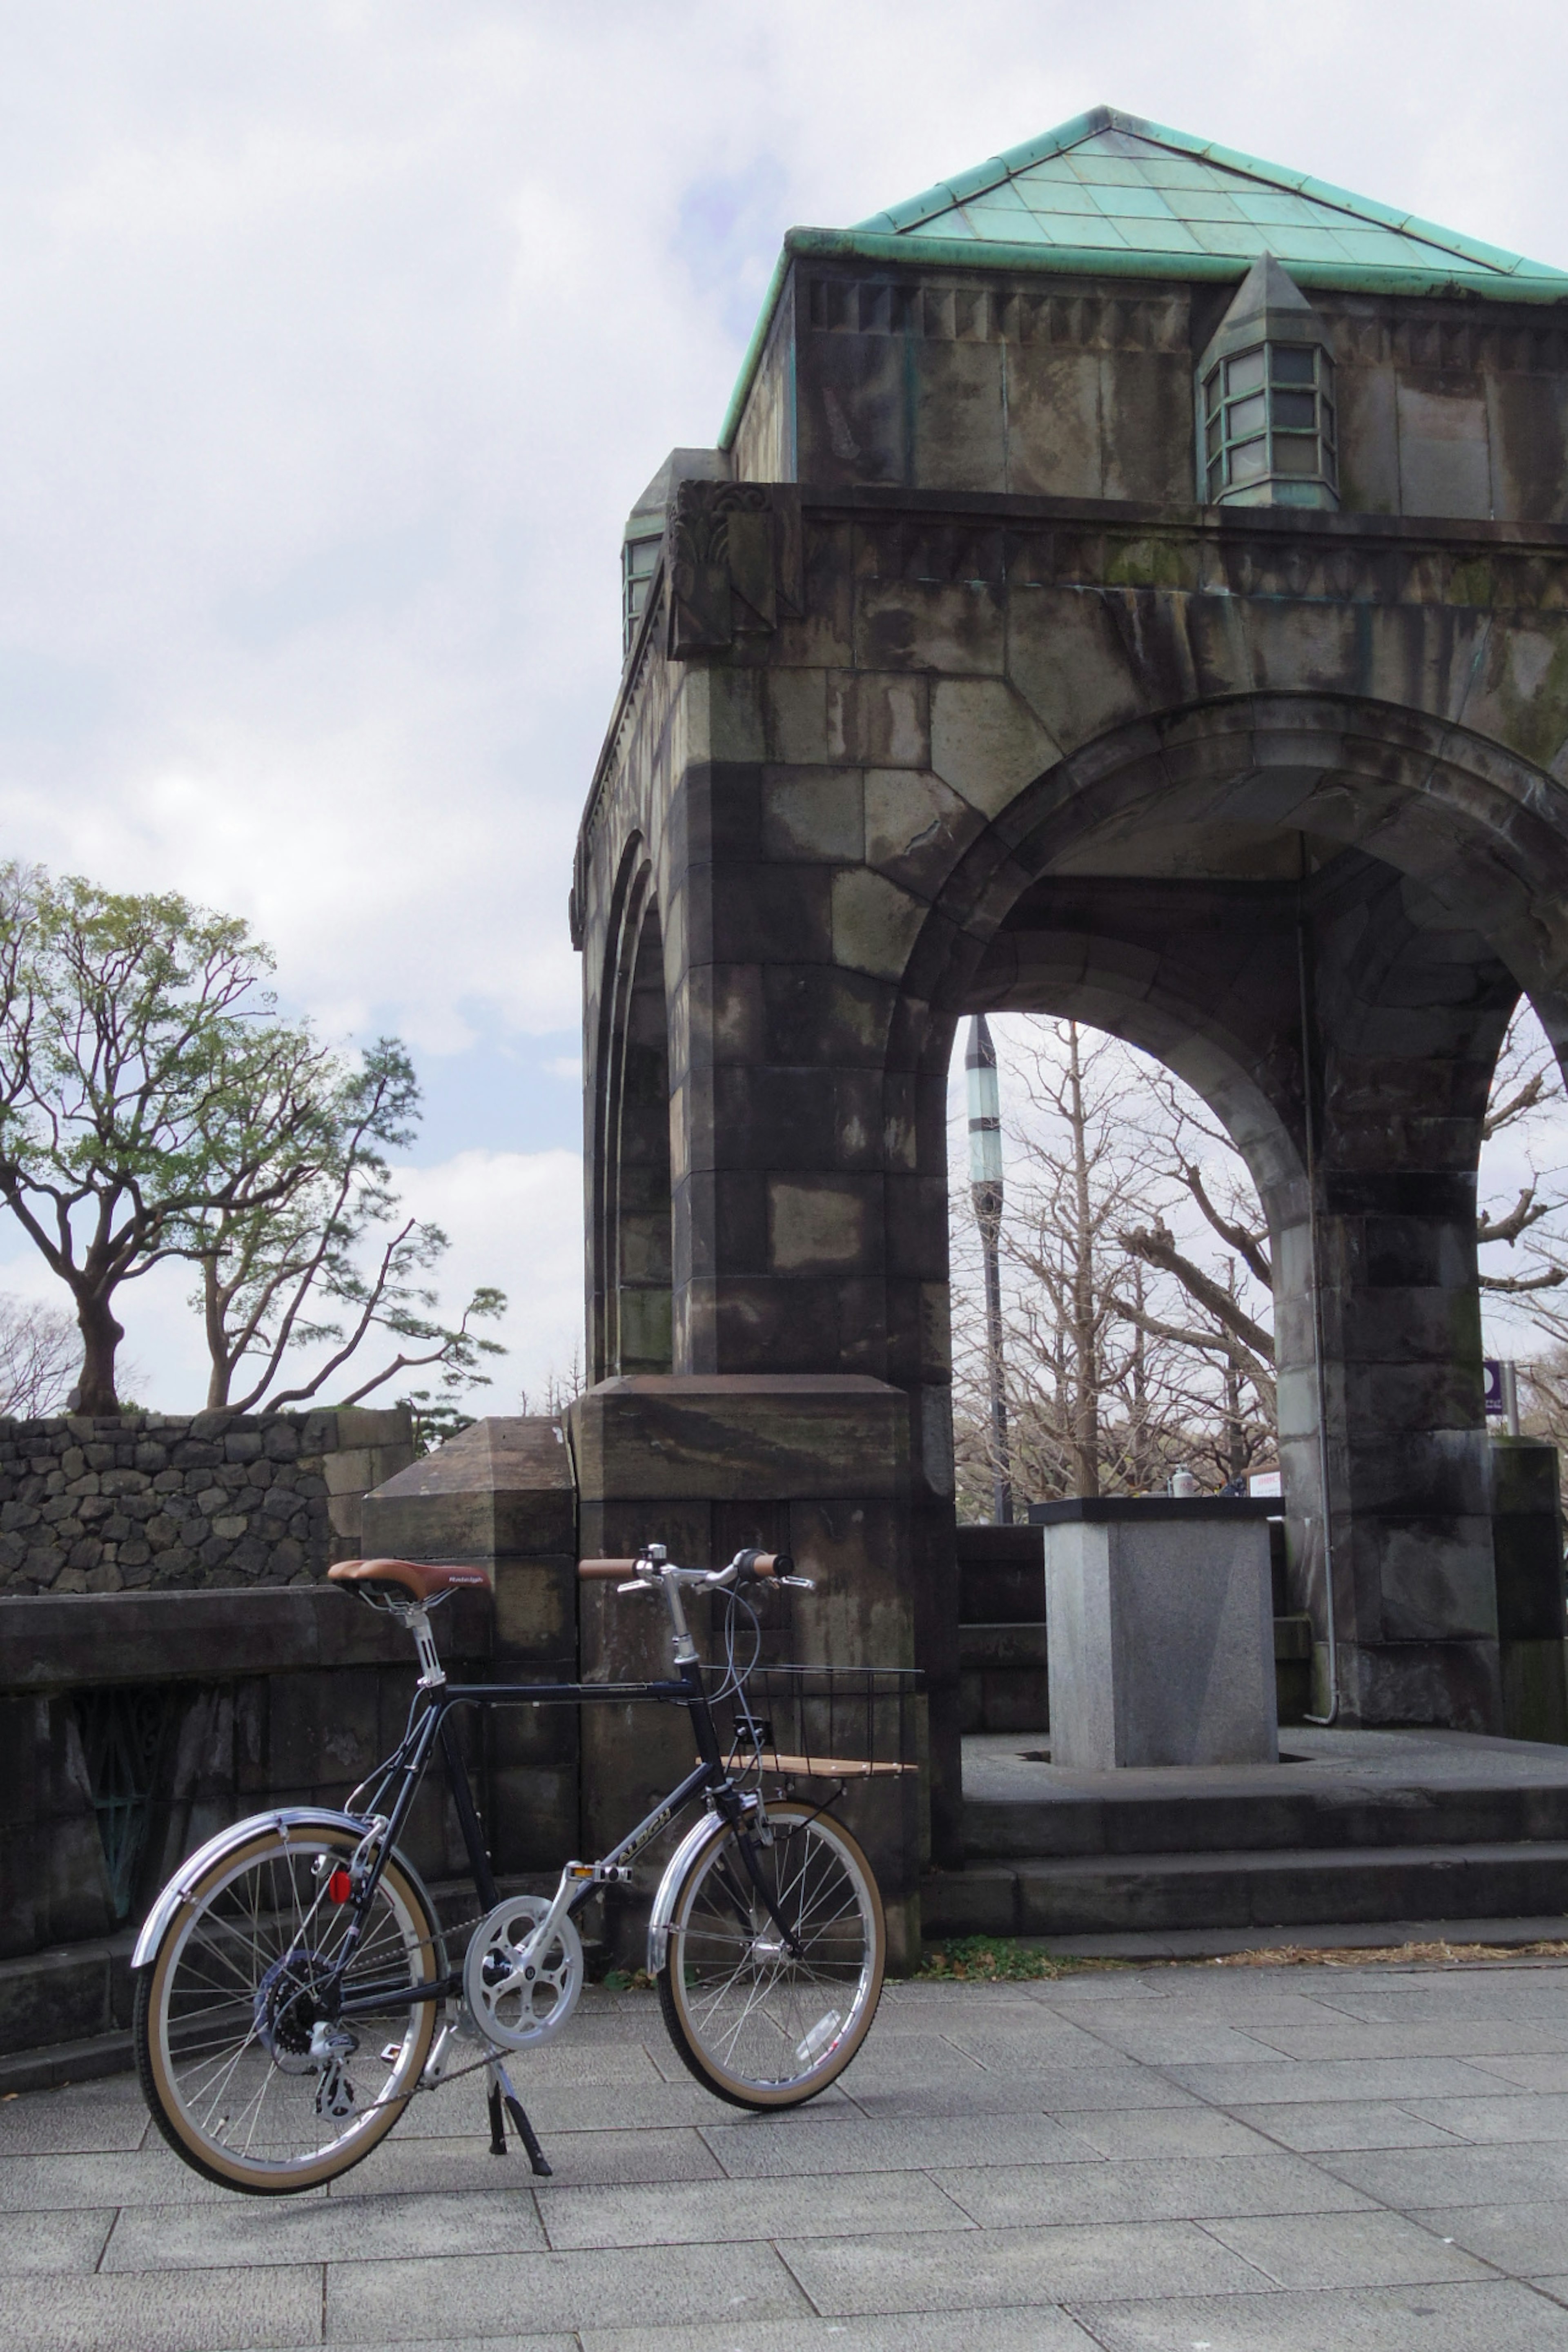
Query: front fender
{"points": [[670, 1887], [286, 1818]]}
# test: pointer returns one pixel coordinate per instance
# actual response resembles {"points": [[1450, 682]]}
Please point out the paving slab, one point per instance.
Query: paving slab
{"points": [[980, 2268], [1038, 2167], [1314, 2127], [1523, 2115], [1041, 2329], [691, 2213], [1164, 2131], [1529, 2073], [511, 2294], [1342, 2250], [253, 2230], [762, 2150], [1286, 2079], [1145, 2189], [1499, 2316], [53, 2241], [1527, 2241], [165, 2311], [580, 2159], [1412, 2180]]}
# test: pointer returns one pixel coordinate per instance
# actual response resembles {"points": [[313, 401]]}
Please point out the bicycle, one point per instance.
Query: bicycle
{"points": [[293, 1985]]}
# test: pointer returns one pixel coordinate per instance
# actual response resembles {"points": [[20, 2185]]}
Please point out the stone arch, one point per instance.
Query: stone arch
{"points": [[628, 1158], [1482, 830], [1345, 1023]]}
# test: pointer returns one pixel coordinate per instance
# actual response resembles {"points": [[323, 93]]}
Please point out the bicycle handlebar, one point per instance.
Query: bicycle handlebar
{"points": [[764, 1565]]}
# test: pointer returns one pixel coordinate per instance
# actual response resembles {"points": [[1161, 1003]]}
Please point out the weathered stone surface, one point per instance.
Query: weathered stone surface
{"points": [[175, 1495], [1160, 1627]]}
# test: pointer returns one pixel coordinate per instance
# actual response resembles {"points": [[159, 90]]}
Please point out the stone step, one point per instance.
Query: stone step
{"points": [[1100, 1895], [1337, 1817]]}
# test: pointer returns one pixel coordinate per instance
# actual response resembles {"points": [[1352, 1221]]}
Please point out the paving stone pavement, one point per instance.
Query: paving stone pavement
{"points": [[1177, 2160]]}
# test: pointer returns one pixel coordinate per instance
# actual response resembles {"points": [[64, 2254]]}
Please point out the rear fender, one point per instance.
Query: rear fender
{"points": [[195, 1866]]}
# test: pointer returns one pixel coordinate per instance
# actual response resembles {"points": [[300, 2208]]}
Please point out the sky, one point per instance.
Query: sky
{"points": [[338, 340]]}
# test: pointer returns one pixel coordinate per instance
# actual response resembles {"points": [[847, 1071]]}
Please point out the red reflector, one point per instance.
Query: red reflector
{"points": [[339, 1886]]}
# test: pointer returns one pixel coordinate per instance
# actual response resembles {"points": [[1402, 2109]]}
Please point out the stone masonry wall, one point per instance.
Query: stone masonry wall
{"points": [[185, 1501]]}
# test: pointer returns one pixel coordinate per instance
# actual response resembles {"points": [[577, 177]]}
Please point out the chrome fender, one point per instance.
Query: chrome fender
{"points": [[670, 1886], [287, 1817]]}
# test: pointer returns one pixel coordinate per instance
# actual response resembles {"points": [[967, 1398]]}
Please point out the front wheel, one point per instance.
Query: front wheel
{"points": [[762, 2020], [252, 2076]]}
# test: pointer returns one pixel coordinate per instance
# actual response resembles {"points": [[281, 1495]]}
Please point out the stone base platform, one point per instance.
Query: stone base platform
{"points": [[1350, 1828]]}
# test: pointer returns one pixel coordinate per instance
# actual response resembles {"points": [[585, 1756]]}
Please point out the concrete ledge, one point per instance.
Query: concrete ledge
{"points": [[68, 2062], [1203, 1943], [50, 1642]]}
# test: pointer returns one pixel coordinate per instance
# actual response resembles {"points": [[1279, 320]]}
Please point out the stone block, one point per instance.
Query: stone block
{"points": [[878, 720], [814, 813], [1161, 1634], [875, 923], [502, 1489], [746, 1436], [1053, 423]]}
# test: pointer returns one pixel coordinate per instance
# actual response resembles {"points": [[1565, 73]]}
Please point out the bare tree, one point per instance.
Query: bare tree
{"points": [[1126, 1353], [336, 1262], [41, 1350], [1092, 1402]]}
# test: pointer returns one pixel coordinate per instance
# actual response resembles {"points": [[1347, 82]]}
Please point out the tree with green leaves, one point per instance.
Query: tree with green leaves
{"points": [[154, 1106], [144, 1075], [337, 1262]]}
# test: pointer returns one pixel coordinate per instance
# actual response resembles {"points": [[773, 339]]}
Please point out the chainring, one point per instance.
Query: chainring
{"points": [[517, 2007]]}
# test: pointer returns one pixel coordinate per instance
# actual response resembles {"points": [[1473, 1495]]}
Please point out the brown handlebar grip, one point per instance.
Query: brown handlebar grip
{"points": [[771, 1563], [621, 1569]]}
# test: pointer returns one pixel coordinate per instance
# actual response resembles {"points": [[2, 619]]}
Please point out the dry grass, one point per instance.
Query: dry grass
{"points": [[1385, 1955], [1000, 1960]]}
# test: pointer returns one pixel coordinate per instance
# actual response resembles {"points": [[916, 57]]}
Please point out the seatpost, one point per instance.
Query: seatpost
{"points": [[433, 1673]]}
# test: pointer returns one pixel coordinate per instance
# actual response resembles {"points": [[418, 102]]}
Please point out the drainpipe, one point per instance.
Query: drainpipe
{"points": [[1310, 1126], [985, 1192]]}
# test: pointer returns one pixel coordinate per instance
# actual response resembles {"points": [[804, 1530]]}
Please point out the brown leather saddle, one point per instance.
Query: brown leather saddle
{"points": [[416, 1578]]}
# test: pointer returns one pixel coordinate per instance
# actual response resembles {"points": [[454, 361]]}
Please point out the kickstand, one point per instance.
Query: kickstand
{"points": [[501, 2094]]}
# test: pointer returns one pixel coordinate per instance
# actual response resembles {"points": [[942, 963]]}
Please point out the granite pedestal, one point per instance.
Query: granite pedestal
{"points": [[1160, 1633]]}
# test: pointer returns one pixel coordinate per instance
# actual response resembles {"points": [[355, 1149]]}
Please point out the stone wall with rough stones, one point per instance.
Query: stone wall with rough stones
{"points": [[186, 1501]]}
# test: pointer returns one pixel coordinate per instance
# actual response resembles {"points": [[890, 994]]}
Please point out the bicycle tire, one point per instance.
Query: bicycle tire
{"points": [[757, 2027], [224, 2012]]}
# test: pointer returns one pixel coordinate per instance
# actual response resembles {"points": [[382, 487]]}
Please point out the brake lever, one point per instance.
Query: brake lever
{"points": [[797, 1583]]}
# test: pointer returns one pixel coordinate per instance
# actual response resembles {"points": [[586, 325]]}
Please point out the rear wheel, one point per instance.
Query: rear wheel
{"points": [[248, 2076], [759, 2024]]}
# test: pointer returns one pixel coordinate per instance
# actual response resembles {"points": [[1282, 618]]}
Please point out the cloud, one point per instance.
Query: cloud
{"points": [[339, 340]]}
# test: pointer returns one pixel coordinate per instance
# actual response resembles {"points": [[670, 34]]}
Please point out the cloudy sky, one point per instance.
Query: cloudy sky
{"points": [[337, 340]]}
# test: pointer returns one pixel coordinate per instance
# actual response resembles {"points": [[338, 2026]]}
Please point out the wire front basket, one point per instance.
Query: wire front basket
{"points": [[822, 1723]]}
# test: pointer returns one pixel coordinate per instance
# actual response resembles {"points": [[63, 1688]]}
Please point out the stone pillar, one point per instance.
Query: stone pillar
{"points": [[501, 1494], [372, 1445], [807, 1144], [1527, 1544], [817, 1465], [1408, 1006]]}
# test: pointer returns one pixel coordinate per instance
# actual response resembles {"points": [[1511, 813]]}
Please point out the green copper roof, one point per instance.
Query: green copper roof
{"points": [[1112, 183], [1113, 195]]}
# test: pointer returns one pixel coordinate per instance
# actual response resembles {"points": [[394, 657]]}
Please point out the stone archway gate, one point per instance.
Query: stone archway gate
{"points": [[948, 694]]}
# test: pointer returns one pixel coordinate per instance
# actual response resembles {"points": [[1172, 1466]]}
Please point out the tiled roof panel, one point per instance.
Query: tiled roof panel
{"points": [[1112, 180]]}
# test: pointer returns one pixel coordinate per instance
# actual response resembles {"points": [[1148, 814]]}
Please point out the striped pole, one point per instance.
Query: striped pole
{"points": [[985, 1192]]}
